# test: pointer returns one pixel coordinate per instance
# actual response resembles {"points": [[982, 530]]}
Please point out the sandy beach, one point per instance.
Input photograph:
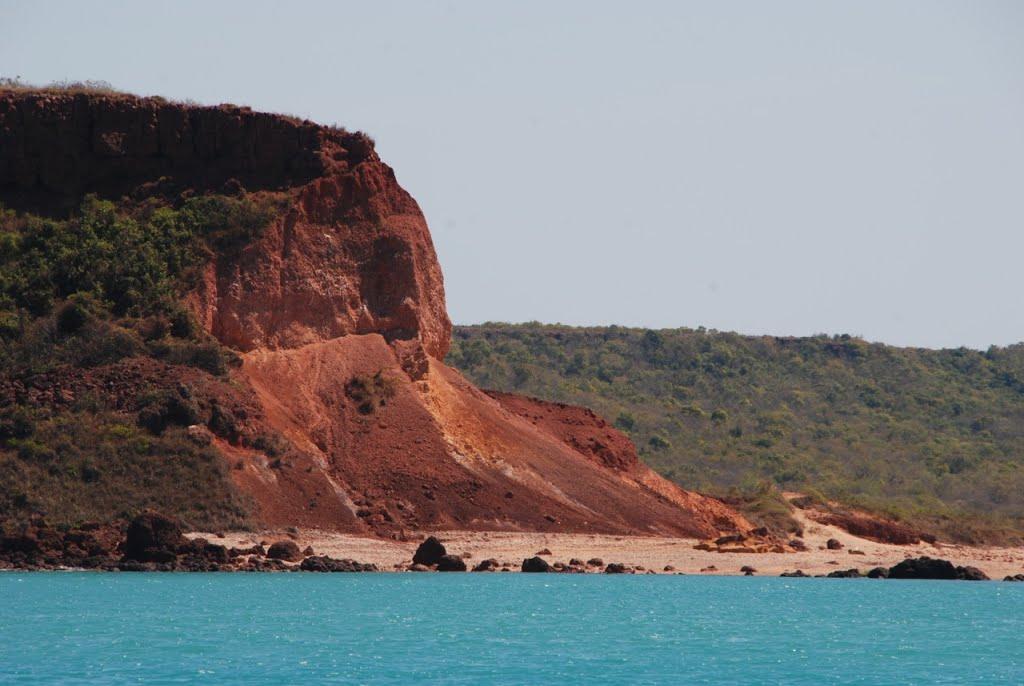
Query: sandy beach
{"points": [[650, 553]]}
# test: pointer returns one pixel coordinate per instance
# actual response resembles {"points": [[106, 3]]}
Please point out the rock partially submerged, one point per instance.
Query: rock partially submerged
{"points": [[324, 563], [845, 574]]}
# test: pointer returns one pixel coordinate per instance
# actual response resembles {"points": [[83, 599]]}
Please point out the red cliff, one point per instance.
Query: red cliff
{"points": [[338, 312]]}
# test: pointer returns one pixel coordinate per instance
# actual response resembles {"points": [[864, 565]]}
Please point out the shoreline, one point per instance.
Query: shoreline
{"points": [[645, 554]]}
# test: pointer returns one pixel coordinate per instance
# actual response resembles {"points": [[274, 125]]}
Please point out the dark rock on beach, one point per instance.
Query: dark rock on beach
{"points": [[284, 550], [616, 568], [324, 563], [931, 568], [429, 552], [488, 565], [845, 574], [971, 574], [451, 563], [536, 564], [153, 537]]}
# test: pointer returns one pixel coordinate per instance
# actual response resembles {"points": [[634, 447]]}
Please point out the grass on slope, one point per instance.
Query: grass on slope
{"points": [[86, 292], [931, 437]]}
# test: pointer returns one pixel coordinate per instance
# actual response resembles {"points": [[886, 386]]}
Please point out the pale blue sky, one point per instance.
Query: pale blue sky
{"points": [[782, 168]]}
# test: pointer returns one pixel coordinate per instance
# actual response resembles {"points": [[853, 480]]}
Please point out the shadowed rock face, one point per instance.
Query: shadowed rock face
{"points": [[57, 147], [338, 308]]}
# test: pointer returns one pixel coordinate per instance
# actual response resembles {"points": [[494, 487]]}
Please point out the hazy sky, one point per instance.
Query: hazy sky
{"points": [[763, 167]]}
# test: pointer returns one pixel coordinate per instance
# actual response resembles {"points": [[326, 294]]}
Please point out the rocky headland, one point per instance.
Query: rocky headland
{"points": [[335, 410], [286, 377]]}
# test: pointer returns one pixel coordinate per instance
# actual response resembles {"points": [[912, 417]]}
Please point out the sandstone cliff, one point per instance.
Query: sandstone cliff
{"points": [[337, 310]]}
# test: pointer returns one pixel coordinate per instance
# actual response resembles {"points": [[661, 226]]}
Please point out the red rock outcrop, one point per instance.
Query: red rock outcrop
{"points": [[338, 308], [349, 253]]}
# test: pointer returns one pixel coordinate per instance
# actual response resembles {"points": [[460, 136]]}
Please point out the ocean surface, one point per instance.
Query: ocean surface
{"points": [[78, 628]]}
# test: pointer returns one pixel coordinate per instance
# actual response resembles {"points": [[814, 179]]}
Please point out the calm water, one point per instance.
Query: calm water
{"points": [[462, 628]]}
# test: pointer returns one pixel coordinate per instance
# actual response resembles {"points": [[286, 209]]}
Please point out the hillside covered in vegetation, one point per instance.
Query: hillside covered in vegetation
{"points": [[931, 437], [102, 369]]}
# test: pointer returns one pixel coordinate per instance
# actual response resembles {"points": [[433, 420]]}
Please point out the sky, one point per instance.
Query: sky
{"points": [[784, 168]]}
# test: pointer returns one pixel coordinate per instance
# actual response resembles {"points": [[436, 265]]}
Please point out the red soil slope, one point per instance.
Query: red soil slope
{"points": [[338, 309]]}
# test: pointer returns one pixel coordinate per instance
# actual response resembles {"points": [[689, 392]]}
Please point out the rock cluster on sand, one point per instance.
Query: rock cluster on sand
{"points": [[329, 564], [912, 568], [152, 542]]}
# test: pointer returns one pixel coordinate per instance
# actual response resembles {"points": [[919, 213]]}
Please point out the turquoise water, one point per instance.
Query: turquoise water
{"points": [[73, 628]]}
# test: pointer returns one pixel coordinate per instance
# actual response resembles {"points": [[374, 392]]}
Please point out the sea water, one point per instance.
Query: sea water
{"points": [[96, 628]]}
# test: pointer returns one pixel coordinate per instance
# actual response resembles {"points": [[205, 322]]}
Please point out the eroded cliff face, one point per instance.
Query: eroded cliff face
{"points": [[349, 253], [338, 310]]}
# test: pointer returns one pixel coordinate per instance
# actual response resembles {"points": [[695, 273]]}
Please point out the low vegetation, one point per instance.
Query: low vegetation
{"points": [[80, 294], [72, 87], [934, 438], [83, 466]]}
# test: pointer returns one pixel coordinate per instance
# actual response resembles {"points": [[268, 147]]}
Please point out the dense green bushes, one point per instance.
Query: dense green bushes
{"points": [[122, 262], [931, 436], [106, 283], [88, 291]]}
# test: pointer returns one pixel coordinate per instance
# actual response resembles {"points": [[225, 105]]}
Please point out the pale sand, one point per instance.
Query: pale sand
{"points": [[649, 552]]}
